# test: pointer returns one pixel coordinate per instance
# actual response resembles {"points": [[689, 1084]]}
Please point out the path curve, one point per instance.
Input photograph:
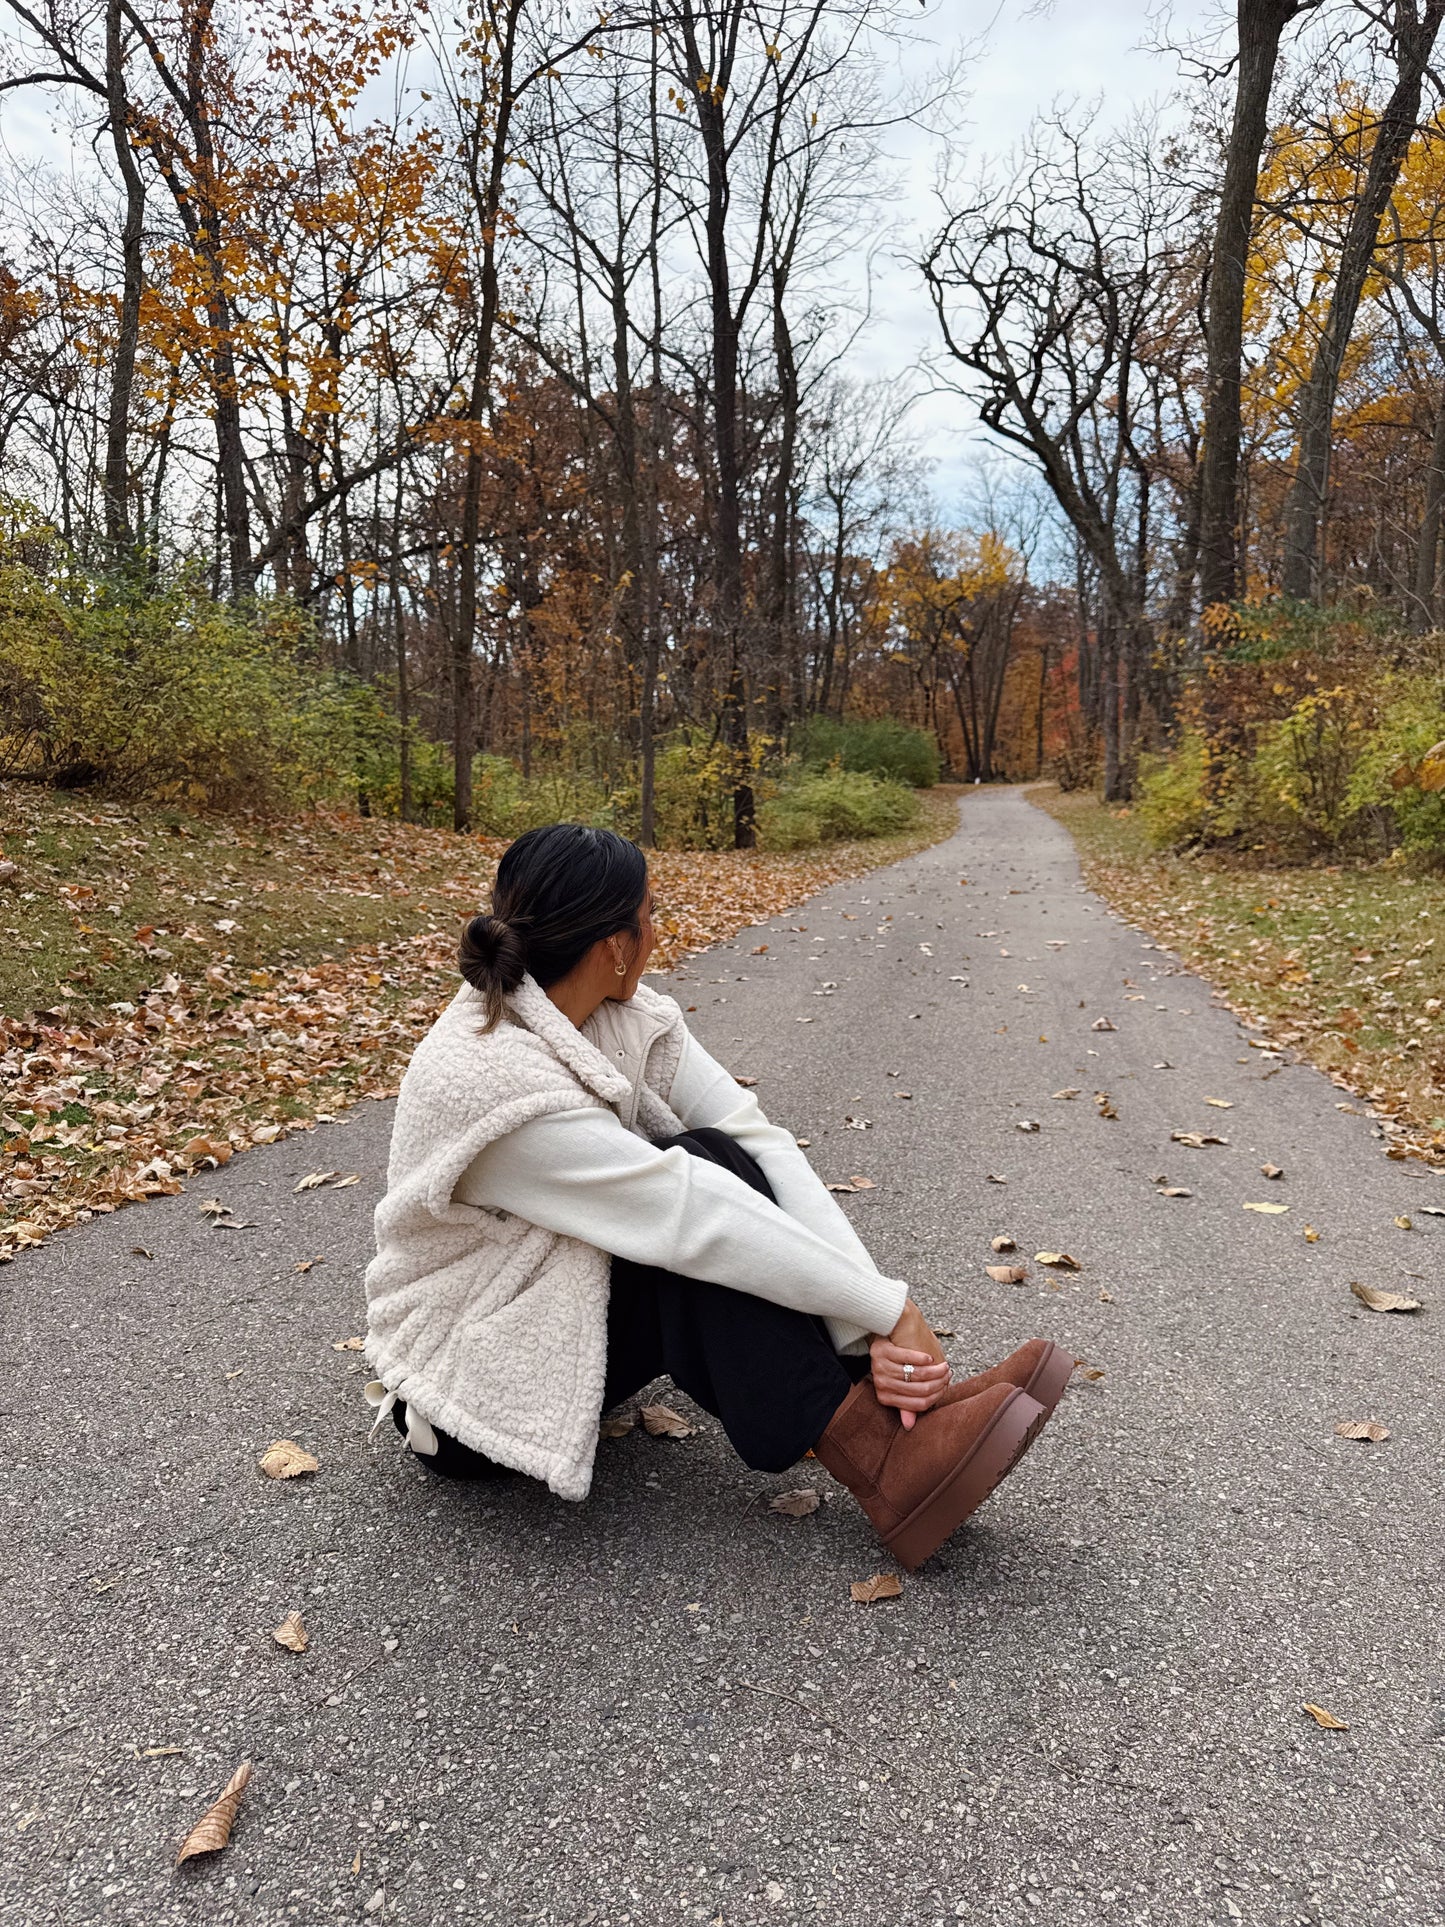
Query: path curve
{"points": [[661, 1707]]}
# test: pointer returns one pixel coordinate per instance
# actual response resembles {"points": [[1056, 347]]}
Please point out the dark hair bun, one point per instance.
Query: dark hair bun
{"points": [[493, 959]]}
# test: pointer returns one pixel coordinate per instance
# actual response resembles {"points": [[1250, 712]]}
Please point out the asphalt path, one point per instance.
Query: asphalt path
{"points": [[662, 1706]]}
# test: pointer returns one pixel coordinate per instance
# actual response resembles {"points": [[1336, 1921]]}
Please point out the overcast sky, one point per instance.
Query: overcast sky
{"points": [[1091, 51], [1095, 51]]}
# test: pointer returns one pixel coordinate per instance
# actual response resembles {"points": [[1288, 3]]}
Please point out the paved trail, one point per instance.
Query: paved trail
{"points": [[661, 1707]]}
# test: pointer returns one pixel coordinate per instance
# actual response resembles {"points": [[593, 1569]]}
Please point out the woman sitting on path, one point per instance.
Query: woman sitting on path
{"points": [[580, 1200]]}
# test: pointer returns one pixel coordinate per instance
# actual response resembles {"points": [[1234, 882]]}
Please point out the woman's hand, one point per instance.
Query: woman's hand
{"points": [[911, 1343]]}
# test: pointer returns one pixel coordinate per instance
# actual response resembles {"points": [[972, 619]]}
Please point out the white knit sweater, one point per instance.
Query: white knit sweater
{"points": [[520, 1160]]}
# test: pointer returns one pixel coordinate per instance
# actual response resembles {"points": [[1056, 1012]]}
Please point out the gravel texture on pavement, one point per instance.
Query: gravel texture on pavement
{"points": [[661, 1706]]}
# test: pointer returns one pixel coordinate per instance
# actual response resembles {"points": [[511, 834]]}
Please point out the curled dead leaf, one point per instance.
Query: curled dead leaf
{"points": [[883, 1585], [617, 1425], [1060, 1260], [1221, 1103], [1007, 1274], [292, 1633], [1403, 1224], [1322, 1717], [213, 1829], [284, 1459], [1175, 1191], [1103, 1023], [1027, 1124], [1269, 1210], [1376, 1300], [1271, 1171], [1311, 1236], [1003, 1242], [1064, 1095], [1093, 1373], [356, 1344], [863, 1184], [1370, 1429], [796, 1505], [664, 1423]]}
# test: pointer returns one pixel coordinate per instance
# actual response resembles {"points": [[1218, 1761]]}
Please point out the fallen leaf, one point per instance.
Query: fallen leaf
{"points": [[292, 1633], [1196, 1139], [1175, 1191], [796, 1505], [618, 1425], [863, 1184], [849, 1186], [1003, 1242], [1269, 1210], [1072, 1091], [1091, 1372], [1325, 1719], [994, 1178], [1376, 1300], [747, 1082], [1403, 1224], [1105, 1104], [1060, 1260], [311, 1181], [1103, 1023], [883, 1585], [1221, 1103], [1362, 1429], [1026, 1124], [1105, 1297], [349, 1345], [664, 1423], [1271, 1171], [284, 1459], [213, 1208], [1006, 1274], [1311, 1236], [213, 1829], [139, 1251]]}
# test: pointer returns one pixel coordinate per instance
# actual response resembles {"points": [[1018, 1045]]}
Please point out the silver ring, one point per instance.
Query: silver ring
{"points": [[908, 1371]]}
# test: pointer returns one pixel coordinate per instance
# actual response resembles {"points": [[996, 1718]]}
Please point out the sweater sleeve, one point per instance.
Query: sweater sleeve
{"points": [[704, 1093], [583, 1173]]}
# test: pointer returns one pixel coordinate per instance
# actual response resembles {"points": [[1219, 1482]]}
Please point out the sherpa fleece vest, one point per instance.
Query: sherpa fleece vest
{"points": [[470, 1312]]}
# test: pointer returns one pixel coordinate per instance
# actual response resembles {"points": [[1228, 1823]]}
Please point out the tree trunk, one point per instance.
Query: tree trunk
{"points": [[1260, 25], [1414, 39], [1427, 554], [119, 532]]}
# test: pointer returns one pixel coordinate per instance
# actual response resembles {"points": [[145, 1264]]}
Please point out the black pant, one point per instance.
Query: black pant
{"points": [[770, 1374]]}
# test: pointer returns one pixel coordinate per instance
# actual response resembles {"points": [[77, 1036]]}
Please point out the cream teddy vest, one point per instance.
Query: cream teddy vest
{"points": [[470, 1312]]}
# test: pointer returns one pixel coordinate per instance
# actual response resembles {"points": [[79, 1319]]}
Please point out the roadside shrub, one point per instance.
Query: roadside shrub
{"points": [[1394, 774], [169, 695], [835, 805], [878, 746], [1170, 794], [1308, 760]]}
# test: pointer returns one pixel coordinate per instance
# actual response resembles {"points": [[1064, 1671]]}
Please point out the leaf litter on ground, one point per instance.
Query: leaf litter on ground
{"points": [[1376, 1300], [1369, 1429], [212, 1831], [220, 1032], [663, 1423], [883, 1585]]}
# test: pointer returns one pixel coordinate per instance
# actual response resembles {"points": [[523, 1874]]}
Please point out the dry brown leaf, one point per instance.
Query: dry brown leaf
{"points": [[292, 1633], [1091, 1372], [883, 1585], [1432, 1210], [863, 1184], [849, 1186], [1175, 1191], [1377, 1300], [1221, 1103], [1403, 1224], [1007, 1274], [313, 1181], [357, 1344], [618, 1425], [1269, 1210], [1105, 1104], [1027, 1124], [213, 1829], [1003, 1242], [1103, 1023], [1064, 1095], [213, 1208], [284, 1459], [1271, 1171], [1370, 1429], [1327, 1720], [664, 1423], [1311, 1236], [796, 1505], [1060, 1260]]}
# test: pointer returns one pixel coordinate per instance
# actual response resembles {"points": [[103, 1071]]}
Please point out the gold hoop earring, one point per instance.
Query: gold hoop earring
{"points": [[619, 970]]}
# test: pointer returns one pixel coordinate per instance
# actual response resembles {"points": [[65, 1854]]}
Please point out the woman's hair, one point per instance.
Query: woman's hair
{"points": [[558, 890]]}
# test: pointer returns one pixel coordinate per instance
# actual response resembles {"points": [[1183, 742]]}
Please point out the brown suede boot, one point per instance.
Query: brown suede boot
{"points": [[917, 1485], [1040, 1368]]}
